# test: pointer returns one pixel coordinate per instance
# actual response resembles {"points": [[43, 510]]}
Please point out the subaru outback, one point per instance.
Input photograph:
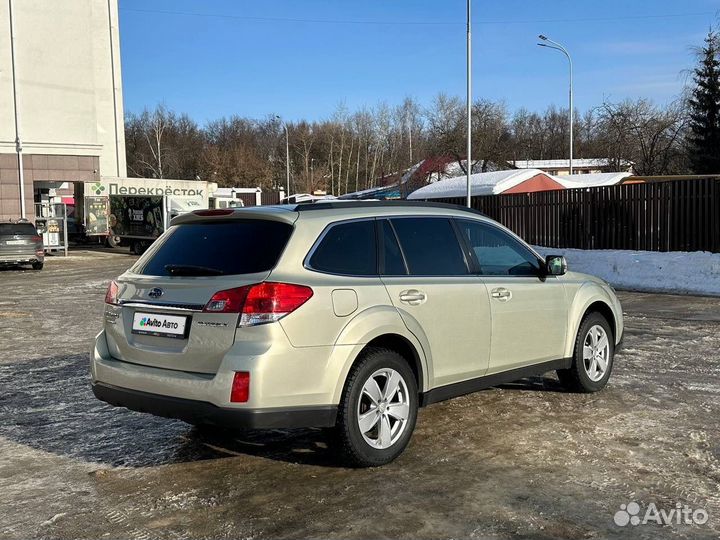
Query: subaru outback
{"points": [[345, 316]]}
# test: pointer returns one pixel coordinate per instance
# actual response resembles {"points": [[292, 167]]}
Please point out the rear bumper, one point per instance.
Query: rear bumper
{"points": [[202, 412], [20, 258]]}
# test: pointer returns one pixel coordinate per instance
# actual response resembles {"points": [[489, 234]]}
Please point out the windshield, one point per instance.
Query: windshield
{"points": [[221, 248]]}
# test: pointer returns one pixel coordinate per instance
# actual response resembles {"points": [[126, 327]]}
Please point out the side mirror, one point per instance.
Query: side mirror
{"points": [[555, 265]]}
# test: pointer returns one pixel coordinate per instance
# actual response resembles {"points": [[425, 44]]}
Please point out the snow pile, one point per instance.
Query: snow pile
{"points": [[487, 183], [676, 272]]}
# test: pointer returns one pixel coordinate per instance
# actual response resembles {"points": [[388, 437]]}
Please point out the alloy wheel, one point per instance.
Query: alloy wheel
{"points": [[596, 353], [383, 408]]}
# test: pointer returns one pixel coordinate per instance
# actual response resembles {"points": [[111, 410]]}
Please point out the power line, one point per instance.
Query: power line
{"points": [[417, 23]]}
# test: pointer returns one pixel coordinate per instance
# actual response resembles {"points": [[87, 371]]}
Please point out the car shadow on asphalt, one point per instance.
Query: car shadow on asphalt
{"points": [[48, 405], [542, 384]]}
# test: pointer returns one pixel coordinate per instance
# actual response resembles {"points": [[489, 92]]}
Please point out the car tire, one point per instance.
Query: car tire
{"points": [[37, 266], [394, 416], [593, 356], [112, 241]]}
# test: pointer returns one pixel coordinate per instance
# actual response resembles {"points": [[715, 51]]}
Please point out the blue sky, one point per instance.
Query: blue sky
{"points": [[301, 58]]}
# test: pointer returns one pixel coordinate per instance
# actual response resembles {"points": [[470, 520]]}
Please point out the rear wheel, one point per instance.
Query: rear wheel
{"points": [[378, 409], [37, 265], [593, 357], [112, 241]]}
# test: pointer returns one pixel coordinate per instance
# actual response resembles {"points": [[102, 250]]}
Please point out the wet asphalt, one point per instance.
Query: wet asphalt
{"points": [[525, 459]]}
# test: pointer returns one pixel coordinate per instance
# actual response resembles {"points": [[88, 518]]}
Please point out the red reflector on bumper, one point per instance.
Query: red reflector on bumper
{"points": [[240, 392]]}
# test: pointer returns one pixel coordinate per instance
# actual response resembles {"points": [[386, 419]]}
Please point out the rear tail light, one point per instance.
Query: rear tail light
{"points": [[240, 391], [111, 296], [227, 301], [261, 303], [37, 239], [269, 302]]}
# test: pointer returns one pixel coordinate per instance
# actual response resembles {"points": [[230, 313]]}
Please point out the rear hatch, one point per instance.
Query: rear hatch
{"points": [[19, 241], [159, 319]]}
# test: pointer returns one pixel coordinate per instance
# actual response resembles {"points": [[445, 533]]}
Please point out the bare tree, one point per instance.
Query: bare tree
{"points": [[649, 136]]}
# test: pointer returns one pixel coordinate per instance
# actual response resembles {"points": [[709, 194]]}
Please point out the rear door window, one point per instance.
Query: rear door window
{"points": [[392, 262], [220, 248], [348, 249], [430, 246], [21, 229]]}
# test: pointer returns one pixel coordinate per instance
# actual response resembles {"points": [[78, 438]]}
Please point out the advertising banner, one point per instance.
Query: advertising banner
{"points": [[96, 215], [138, 217]]}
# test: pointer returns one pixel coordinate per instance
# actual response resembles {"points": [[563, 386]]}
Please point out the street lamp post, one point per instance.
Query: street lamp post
{"points": [[555, 45], [287, 155], [16, 108], [468, 166]]}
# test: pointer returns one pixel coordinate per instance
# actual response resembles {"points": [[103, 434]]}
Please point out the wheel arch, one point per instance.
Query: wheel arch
{"points": [[598, 306], [591, 298], [404, 345]]}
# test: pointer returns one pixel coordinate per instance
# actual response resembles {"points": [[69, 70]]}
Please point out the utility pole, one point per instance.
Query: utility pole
{"points": [[287, 155], [469, 102], [409, 126], [18, 139]]}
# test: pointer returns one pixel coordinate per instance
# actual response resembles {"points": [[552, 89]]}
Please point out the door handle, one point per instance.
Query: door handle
{"points": [[501, 293], [413, 297]]}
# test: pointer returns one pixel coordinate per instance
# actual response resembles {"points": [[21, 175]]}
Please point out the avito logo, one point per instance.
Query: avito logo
{"points": [[157, 323], [147, 321]]}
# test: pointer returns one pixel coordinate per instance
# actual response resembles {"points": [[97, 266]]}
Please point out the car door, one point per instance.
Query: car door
{"points": [[426, 274], [529, 310]]}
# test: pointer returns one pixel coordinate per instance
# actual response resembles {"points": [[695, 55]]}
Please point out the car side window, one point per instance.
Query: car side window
{"points": [[347, 248], [391, 258], [498, 253], [430, 246]]}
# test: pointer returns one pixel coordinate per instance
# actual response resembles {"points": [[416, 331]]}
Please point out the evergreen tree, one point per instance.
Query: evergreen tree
{"points": [[704, 136]]}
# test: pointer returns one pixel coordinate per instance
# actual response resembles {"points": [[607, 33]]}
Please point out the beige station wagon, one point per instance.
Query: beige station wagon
{"points": [[343, 315]]}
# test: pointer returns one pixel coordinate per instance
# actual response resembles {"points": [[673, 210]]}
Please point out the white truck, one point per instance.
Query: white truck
{"points": [[135, 211]]}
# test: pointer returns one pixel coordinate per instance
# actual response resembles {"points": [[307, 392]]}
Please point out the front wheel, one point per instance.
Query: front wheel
{"points": [[593, 357], [378, 409], [37, 265]]}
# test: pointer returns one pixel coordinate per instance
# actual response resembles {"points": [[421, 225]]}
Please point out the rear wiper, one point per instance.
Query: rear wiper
{"points": [[192, 270]]}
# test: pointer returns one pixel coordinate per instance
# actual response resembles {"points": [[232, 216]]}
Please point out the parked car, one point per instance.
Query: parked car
{"points": [[344, 315], [20, 244]]}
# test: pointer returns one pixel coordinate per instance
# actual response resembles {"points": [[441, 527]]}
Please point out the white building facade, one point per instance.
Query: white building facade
{"points": [[60, 95]]}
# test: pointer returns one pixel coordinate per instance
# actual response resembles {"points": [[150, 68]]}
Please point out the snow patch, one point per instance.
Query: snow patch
{"points": [[487, 183], [675, 272]]}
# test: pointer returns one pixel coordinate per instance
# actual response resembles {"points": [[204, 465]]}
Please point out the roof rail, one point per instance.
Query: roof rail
{"points": [[383, 204]]}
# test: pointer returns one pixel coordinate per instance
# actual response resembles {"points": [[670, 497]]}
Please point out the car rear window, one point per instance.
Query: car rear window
{"points": [[348, 249], [221, 248], [11, 229]]}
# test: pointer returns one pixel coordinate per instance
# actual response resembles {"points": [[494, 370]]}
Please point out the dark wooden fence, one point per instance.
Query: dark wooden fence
{"points": [[248, 199], [681, 215], [270, 197]]}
